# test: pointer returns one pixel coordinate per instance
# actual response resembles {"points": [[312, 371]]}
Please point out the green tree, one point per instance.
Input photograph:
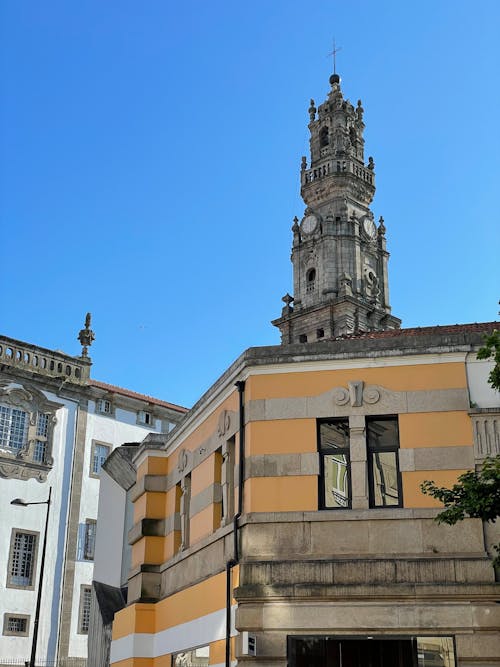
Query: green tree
{"points": [[491, 348], [476, 493]]}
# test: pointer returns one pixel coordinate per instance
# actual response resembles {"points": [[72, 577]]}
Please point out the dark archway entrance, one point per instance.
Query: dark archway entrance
{"points": [[318, 651]]}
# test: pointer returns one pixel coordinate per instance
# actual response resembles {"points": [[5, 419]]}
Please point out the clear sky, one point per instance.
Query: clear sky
{"points": [[150, 168]]}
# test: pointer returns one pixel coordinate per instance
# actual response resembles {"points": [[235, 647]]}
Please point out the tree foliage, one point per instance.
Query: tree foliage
{"points": [[491, 348], [476, 494]]}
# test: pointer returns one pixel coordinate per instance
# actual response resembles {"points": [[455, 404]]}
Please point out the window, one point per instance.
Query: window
{"points": [[197, 657], [335, 482], [145, 418], [86, 540], [311, 280], [323, 137], [100, 453], [84, 615], [22, 558], [15, 624], [13, 428], [104, 406], [383, 466]]}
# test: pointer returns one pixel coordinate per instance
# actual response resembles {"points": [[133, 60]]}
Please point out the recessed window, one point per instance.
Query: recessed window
{"points": [[144, 417], [23, 549], [13, 428], [383, 465], [311, 281], [99, 454], [15, 624], [323, 137], [84, 615], [86, 539], [320, 333], [335, 474], [302, 338], [104, 406]]}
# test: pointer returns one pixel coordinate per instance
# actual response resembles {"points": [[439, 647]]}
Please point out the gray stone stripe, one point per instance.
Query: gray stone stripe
{"points": [[72, 534], [436, 458], [281, 465], [325, 405], [212, 494]]}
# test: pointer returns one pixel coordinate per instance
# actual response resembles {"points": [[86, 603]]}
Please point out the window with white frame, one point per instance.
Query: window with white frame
{"points": [[145, 418], [22, 559], [86, 540], [99, 454], [84, 615], [13, 428], [104, 406]]}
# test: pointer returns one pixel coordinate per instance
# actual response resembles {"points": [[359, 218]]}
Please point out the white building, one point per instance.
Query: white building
{"points": [[57, 426]]}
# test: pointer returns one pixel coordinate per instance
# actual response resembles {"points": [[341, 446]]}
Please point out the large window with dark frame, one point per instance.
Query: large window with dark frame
{"points": [[382, 438], [335, 474]]}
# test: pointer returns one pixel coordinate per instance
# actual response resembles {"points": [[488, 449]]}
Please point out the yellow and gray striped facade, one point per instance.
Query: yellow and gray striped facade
{"points": [[230, 538]]}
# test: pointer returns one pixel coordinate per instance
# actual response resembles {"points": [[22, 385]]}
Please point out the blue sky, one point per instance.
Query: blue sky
{"points": [[150, 169]]}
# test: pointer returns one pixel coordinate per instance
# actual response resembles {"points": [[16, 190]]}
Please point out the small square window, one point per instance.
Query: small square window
{"points": [[99, 454], [144, 417], [104, 406], [15, 624], [84, 615]]}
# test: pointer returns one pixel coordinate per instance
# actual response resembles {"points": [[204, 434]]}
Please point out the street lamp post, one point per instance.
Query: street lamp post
{"points": [[23, 503]]}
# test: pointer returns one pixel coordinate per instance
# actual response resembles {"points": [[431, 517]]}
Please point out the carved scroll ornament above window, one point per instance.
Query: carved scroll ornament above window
{"points": [[27, 420]]}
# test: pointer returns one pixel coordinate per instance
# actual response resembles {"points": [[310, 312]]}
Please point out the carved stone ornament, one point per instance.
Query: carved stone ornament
{"points": [[356, 394], [22, 460], [183, 460], [224, 423]]}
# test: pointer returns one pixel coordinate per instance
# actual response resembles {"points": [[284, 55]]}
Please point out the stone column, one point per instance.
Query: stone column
{"points": [[357, 450]]}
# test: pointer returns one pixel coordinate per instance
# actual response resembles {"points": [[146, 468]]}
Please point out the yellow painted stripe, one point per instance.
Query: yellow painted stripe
{"points": [[435, 429], [413, 496], [282, 494], [397, 378], [138, 618]]}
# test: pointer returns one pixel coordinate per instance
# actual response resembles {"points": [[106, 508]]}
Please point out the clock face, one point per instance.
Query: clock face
{"points": [[309, 224], [369, 228]]}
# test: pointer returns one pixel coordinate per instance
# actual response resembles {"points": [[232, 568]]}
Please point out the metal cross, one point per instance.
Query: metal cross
{"points": [[334, 54]]}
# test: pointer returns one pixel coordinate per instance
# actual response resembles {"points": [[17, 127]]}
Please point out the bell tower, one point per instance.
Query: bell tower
{"points": [[339, 254]]}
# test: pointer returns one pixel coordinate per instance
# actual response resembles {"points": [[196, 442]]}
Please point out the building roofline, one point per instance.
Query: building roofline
{"points": [[121, 391]]}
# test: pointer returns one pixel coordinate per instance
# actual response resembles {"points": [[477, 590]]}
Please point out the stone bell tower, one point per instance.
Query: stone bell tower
{"points": [[339, 253]]}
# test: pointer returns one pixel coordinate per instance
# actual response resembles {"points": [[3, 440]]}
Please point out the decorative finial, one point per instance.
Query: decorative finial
{"points": [[86, 336], [303, 163], [288, 308], [371, 164], [312, 111], [381, 226]]}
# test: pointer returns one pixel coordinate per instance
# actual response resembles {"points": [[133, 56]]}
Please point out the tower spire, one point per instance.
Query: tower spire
{"points": [[333, 53], [339, 254]]}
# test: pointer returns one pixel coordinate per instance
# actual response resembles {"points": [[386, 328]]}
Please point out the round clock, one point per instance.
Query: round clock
{"points": [[309, 224], [369, 228]]}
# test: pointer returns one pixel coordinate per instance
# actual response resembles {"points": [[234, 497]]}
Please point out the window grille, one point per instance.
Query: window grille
{"points": [[17, 624], [13, 428], [85, 599], [99, 455], [22, 559]]}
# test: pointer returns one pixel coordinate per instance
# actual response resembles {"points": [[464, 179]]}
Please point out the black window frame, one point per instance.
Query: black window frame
{"points": [[345, 452], [384, 449]]}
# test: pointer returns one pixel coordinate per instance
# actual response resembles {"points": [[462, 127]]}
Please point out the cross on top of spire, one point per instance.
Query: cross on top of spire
{"points": [[333, 53]]}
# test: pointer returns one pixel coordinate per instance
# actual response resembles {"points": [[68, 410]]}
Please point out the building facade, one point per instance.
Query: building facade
{"points": [[57, 426], [282, 521]]}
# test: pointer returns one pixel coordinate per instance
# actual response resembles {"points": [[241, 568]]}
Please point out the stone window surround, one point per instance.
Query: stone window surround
{"points": [[92, 451], [81, 608], [102, 401], [143, 416], [31, 585], [23, 463], [360, 475], [10, 633]]}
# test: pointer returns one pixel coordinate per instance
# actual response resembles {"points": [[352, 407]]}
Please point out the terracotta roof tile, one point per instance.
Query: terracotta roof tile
{"points": [[133, 394], [475, 327]]}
